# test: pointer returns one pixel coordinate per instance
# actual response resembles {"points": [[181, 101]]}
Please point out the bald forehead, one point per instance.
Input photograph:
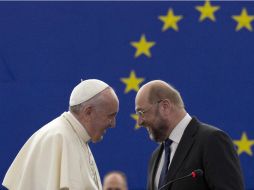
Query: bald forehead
{"points": [[141, 97], [144, 91], [156, 83], [114, 179]]}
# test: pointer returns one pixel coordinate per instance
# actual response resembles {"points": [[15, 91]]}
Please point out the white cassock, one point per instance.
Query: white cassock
{"points": [[56, 157]]}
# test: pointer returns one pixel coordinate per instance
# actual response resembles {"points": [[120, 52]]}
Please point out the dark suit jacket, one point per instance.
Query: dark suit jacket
{"points": [[201, 147]]}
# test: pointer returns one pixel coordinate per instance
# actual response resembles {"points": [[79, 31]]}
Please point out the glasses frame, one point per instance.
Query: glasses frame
{"points": [[141, 113]]}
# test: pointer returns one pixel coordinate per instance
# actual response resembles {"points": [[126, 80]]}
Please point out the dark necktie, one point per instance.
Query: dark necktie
{"points": [[164, 170]]}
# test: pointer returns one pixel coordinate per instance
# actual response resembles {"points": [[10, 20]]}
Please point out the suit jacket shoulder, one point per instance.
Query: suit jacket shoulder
{"points": [[205, 147]]}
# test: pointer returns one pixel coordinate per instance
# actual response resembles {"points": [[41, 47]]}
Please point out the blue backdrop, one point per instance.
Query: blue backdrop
{"points": [[205, 50]]}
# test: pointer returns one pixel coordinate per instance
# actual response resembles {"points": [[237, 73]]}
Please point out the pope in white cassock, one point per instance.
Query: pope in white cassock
{"points": [[57, 156]]}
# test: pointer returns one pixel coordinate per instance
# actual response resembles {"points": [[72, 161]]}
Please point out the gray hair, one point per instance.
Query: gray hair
{"points": [[77, 108]]}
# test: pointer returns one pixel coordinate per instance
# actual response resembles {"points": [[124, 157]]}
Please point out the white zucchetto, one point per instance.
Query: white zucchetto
{"points": [[86, 90]]}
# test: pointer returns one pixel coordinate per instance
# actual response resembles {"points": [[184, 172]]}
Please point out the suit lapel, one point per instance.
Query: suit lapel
{"points": [[155, 165], [183, 148]]}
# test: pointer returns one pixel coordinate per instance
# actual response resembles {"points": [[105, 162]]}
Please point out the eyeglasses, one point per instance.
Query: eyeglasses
{"points": [[141, 113]]}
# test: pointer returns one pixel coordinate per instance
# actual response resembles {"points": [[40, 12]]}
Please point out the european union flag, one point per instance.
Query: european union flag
{"points": [[203, 48]]}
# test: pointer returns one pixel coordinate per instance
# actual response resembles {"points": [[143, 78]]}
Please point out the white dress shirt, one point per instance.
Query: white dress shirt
{"points": [[175, 136]]}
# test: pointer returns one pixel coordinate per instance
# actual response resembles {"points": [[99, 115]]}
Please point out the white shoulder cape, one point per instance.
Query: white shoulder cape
{"points": [[51, 159]]}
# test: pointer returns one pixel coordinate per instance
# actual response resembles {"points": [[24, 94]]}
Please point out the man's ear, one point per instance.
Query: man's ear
{"points": [[166, 106]]}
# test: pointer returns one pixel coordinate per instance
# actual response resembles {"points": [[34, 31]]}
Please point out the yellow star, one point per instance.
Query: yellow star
{"points": [[207, 11], [243, 20], [170, 20], [244, 144], [143, 46], [135, 117], [132, 83]]}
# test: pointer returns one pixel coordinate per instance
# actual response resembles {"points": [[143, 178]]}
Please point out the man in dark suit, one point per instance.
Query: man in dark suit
{"points": [[186, 144]]}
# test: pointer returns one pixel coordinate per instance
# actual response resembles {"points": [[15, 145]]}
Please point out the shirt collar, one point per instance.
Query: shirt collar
{"points": [[77, 126], [178, 131]]}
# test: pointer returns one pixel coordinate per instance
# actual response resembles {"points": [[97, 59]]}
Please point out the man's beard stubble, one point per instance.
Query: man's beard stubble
{"points": [[159, 132]]}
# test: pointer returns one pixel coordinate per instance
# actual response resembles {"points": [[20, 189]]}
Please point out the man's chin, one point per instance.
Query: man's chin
{"points": [[155, 138]]}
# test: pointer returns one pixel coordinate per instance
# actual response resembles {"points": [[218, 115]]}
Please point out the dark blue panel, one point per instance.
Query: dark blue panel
{"points": [[47, 47]]}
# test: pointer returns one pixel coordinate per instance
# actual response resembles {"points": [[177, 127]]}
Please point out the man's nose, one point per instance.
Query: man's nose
{"points": [[140, 120], [112, 123]]}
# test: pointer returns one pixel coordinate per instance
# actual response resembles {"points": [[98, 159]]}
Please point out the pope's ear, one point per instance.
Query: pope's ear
{"points": [[87, 110]]}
